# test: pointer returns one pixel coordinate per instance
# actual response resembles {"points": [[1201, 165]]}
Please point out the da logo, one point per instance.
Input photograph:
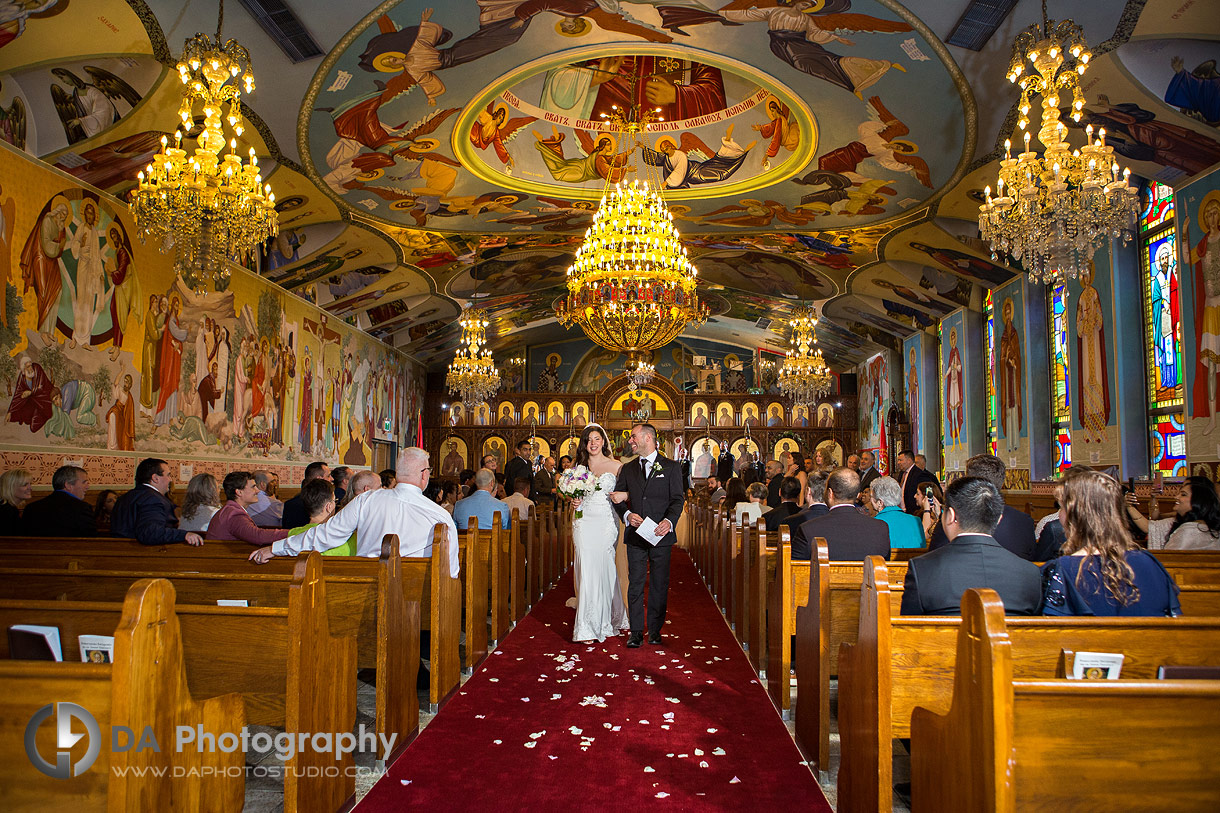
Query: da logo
{"points": [[64, 740]]}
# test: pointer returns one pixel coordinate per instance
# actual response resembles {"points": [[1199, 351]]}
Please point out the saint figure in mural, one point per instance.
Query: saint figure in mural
{"points": [[1204, 257], [41, 264], [704, 462], [170, 365], [955, 402], [913, 396], [774, 418], [1010, 389], [209, 392], [453, 463], [751, 417], [1164, 296], [86, 245], [121, 419], [578, 418], [124, 286], [154, 325], [1094, 388], [700, 418], [506, 416], [305, 416], [31, 404]]}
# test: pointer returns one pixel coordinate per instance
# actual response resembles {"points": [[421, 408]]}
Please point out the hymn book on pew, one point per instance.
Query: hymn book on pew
{"points": [[34, 642], [96, 648]]}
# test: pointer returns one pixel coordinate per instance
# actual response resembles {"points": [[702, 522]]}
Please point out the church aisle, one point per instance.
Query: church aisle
{"points": [[551, 724]]}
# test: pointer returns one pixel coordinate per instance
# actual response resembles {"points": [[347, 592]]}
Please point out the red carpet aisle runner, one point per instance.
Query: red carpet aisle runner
{"points": [[547, 724]]}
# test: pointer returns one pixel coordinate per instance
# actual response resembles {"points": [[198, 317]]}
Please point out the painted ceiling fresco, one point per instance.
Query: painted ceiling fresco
{"points": [[813, 151]]}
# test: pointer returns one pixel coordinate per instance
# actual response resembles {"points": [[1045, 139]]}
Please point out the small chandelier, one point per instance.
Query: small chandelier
{"points": [[473, 377], [804, 376], [639, 370], [1052, 212], [632, 286], [207, 206]]}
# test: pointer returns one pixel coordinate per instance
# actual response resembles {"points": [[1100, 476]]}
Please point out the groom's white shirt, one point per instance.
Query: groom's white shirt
{"points": [[650, 459]]}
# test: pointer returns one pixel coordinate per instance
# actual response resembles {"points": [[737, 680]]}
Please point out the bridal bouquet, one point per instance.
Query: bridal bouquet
{"points": [[577, 482]]}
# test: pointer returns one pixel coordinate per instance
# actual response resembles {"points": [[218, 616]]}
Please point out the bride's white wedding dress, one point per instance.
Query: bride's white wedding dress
{"points": [[600, 612]]}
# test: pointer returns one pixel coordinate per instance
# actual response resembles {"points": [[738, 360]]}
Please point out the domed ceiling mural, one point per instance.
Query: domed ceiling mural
{"points": [[435, 155]]}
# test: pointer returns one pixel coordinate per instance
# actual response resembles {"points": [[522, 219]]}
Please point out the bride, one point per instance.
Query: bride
{"points": [[600, 612]]}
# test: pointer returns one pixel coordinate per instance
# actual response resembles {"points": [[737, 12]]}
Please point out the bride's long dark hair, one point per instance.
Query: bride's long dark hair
{"points": [[582, 449]]}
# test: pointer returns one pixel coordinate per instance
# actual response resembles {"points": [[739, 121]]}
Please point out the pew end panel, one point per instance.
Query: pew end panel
{"points": [[812, 628], [397, 701]]}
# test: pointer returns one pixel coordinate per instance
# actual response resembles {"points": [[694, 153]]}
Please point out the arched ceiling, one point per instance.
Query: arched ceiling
{"points": [[431, 159]]}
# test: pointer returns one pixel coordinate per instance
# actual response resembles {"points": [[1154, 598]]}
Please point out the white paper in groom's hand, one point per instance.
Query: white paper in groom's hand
{"points": [[648, 531]]}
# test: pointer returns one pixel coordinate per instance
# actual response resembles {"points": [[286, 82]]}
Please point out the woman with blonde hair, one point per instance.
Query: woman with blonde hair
{"points": [[15, 491], [1102, 572], [201, 503]]}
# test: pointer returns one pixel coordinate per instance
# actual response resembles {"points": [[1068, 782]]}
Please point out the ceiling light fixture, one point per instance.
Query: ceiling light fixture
{"points": [[804, 376]]}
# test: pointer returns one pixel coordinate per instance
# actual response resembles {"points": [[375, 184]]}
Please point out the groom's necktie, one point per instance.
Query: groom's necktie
{"points": [[644, 467]]}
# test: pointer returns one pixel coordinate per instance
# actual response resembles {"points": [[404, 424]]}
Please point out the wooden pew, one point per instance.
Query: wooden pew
{"points": [[145, 686], [758, 563], [220, 570], [288, 668], [1006, 745], [900, 662], [480, 559]]}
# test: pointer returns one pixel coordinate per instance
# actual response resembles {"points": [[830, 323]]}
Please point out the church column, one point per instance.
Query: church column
{"points": [[919, 377], [1129, 372]]}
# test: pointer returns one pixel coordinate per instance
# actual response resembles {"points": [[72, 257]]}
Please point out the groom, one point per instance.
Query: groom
{"points": [[653, 484]]}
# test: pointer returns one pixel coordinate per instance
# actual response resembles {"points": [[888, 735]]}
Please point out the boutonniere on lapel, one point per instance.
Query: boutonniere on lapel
{"points": [[656, 466]]}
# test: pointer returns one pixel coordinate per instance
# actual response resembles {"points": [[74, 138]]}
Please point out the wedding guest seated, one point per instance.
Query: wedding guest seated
{"points": [[973, 558], [64, 511], [465, 483], [755, 506], [481, 504], [1103, 571], [294, 514], [714, 491], [815, 499], [850, 535], [232, 521], [388, 478], [401, 510], [319, 499], [145, 513], [449, 495], [905, 530], [200, 504], [361, 482], [267, 511], [1015, 530], [775, 475], [102, 509], [519, 499], [734, 495], [1195, 524], [434, 491], [340, 476], [789, 492], [16, 488]]}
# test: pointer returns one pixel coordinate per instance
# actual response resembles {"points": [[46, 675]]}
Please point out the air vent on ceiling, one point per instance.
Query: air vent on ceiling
{"points": [[283, 25], [763, 323], [979, 21]]}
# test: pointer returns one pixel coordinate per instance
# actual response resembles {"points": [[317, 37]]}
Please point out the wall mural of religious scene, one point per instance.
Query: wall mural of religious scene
{"points": [[107, 351], [873, 377], [1198, 240], [1091, 343], [1008, 374], [922, 396], [954, 385]]}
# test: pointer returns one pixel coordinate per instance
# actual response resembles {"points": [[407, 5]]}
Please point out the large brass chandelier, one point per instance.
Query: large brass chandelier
{"points": [[805, 376], [210, 208], [632, 286], [1052, 212], [472, 376]]}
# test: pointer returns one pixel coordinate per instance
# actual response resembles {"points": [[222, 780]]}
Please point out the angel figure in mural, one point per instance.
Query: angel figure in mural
{"points": [[87, 108], [955, 401], [781, 128], [1204, 258], [42, 265], [494, 128], [600, 159], [552, 214], [1165, 316], [352, 167], [14, 13], [1011, 386], [694, 163], [13, 119], [1094, 386], [757, 214], [879, 139], [798, 33]]}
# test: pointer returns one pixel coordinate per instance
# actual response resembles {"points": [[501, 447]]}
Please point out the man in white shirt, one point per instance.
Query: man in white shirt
{"points": [[402, 510], [518, 499]]}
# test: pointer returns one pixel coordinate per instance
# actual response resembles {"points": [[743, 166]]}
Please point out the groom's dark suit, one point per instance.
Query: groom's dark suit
{"points": [[657, 495]]}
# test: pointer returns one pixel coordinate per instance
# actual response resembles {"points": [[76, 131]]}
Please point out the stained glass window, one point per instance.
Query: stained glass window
{"points": [[992, 398], [1061, 390], [1162, 332], [1158, 206]]}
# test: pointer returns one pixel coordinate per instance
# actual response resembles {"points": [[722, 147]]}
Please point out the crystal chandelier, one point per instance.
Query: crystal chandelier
{"points": [[639, 370], [208, 207], [1052, 212], [472, 376], [632, 286], [804, 376]]}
